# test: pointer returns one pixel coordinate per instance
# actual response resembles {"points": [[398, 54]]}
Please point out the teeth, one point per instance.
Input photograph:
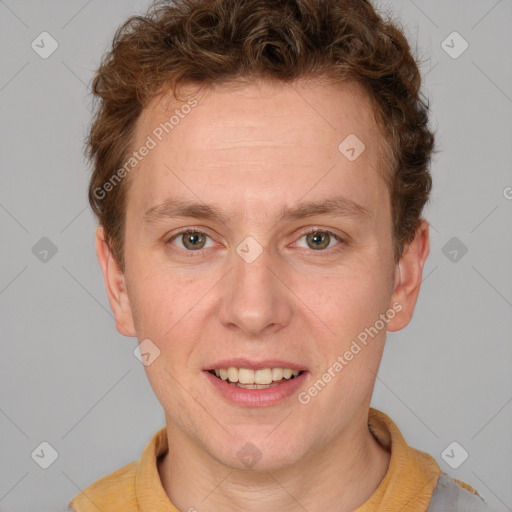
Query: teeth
{"points": [[255, 386], [247, 377], [232, 374], [277, 373], [263, 376]]}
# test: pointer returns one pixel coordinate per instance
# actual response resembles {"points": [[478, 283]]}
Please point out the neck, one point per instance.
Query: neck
{"points": [[341, 476]]}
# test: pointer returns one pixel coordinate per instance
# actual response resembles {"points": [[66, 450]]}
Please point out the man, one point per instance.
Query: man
{"points": [[260, 169]]}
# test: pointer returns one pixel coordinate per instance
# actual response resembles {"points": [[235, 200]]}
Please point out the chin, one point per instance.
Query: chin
{"points": [[260, 453]]}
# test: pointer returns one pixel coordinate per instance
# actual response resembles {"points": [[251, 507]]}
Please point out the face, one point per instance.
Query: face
{"points": [[254, 240]]}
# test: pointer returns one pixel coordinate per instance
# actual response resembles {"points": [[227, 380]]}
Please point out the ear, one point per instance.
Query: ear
{"points": [[115, 285], [408, 277]]}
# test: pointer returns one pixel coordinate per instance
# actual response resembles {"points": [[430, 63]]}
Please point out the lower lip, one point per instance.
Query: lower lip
{"points": [[256, 397]]}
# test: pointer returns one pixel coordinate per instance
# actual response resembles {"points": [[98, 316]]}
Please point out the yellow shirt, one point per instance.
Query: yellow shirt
{"points": [[407, 486]]}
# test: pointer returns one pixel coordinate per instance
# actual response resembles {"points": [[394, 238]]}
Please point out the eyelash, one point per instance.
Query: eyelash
{"points": [[314, 230]]}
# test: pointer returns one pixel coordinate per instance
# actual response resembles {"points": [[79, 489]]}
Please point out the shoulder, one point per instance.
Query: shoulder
{"points": [[452, 495], [113, 492]]}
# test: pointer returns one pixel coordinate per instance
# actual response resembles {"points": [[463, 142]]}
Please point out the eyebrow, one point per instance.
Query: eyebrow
{"points": [[337, 206]]}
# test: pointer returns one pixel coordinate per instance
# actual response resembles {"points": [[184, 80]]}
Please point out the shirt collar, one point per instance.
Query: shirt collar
{"points": [[411, 476], [407, 486]]}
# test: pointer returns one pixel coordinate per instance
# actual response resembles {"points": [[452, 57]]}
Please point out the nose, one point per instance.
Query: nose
{"points": [[255, 298]]}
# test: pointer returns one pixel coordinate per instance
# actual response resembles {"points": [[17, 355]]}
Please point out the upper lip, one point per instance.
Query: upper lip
{"points": [[255, 365]]}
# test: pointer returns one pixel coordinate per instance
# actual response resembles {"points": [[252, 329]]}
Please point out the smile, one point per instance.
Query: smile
{"points": [[259, 387], [255, 379]]}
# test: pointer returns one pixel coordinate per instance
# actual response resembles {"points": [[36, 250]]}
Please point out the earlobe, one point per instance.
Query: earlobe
{"points": [[115, 285], [408, 277]]}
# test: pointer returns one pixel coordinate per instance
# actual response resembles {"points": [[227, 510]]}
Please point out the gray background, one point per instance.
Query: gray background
{"points": [[67, 376]]}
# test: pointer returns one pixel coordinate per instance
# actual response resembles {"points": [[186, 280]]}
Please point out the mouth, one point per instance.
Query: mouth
{"points": [[246, 383], [248, 378]]}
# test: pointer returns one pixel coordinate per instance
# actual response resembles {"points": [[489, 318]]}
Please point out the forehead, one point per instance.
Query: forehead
{"points": [[277, 140], [306, 112]]}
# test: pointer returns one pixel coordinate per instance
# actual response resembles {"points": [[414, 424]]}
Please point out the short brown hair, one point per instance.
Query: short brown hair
{"points": [[211, 42]]}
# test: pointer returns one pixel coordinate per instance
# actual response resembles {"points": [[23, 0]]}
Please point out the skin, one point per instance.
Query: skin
{"points": [[252, 150]]}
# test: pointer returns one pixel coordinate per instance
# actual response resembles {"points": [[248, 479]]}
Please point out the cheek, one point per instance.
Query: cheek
{"points": [[164, 315], [156, 305], [349, 300], [170, 309]]}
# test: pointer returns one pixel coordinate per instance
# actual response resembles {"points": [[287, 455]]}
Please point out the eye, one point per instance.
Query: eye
{"points": [[318, 239], [193, 240], [190, 239]]}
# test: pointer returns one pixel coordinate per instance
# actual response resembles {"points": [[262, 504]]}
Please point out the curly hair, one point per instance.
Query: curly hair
{"points": [[212, 42]]}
